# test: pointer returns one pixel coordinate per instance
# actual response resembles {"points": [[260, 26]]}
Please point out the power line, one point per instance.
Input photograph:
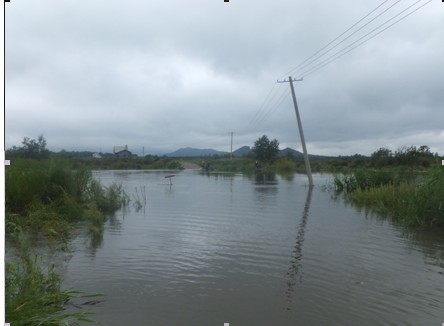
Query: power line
{"points": [[272, 108], [273, 104], [345, 39], [263, 107], [341, 52], [261, 114], [336, 38]]}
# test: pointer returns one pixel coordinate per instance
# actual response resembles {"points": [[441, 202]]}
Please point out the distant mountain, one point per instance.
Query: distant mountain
{"points": [[246, 150], [243, 151], [240, 152], [298, 155], [195, 152], [290, 151]]}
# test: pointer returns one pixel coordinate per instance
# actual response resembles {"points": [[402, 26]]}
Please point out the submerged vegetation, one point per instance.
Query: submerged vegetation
{"points": [[32, 291], [46, 197], [411, 200], [406, 185]]}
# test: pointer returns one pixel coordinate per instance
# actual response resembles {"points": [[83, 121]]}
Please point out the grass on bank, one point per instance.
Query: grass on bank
{"points": [[47, 197], [32, 293], [417, 201], [246, 165], [129, 163]]}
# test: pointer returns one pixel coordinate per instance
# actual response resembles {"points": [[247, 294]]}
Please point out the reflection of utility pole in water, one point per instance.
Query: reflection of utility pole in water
{"points": [[301, 132], [295, 269]]}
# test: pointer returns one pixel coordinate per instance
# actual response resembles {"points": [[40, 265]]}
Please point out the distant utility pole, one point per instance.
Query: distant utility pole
{"points": [[231, 153], [301, 132]]}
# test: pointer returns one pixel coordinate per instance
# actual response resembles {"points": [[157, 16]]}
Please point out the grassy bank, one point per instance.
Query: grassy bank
{"points": [[246, 165], [48, 197], [411, 199], [224, 164], [129, 163]]}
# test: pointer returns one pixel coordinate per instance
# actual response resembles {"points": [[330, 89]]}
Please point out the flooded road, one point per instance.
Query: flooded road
{"points": [[214, 249]]}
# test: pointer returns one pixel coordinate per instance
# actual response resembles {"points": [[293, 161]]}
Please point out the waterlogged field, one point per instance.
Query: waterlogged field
{"points": [[219, 248]]}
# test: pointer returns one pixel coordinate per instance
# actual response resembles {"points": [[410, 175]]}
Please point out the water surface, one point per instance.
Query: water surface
{"points": [[218, 248]]}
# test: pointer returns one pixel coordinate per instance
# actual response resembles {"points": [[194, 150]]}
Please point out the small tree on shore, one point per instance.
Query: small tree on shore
{"points": [[265, 150], [31, 148]]}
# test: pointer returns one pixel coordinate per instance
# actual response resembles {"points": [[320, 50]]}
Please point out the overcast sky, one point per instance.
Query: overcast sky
{"points": [[166, 74]]}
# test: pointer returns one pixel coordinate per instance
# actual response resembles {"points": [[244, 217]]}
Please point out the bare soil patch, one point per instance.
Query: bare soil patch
{"points": [[190, 165]]}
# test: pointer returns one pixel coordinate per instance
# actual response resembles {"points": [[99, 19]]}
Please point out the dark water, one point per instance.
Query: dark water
{"points": [[215, 249]]}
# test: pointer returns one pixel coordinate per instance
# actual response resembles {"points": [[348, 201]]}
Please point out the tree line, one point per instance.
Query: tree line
{"points": [[265, 150]]}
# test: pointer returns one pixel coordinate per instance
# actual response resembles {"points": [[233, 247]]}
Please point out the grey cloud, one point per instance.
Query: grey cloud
{"points": [[144, 74]]}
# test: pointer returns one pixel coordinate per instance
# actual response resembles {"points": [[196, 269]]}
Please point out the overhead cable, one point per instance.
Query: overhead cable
{"points": [[350, 47], [336, 38]]}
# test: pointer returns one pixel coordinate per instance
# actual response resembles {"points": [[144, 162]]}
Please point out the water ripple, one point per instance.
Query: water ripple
{"points": [[256, 253]]}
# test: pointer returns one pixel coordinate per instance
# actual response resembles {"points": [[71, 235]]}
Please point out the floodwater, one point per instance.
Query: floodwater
{"points": [[218, 248]]}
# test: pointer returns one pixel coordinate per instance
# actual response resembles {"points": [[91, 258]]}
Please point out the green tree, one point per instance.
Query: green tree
{"points": [[265, 150], [31, 148], [412, 156], [382, 157]]}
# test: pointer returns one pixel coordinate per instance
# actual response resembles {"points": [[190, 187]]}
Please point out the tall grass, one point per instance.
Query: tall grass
{"points": [[130, 163], [48, 197], [44, 195], [32, 292], [235, 165], [107, 199], [365, 179], [139, 201], [285, 166], [410, 201], [30, 183]]}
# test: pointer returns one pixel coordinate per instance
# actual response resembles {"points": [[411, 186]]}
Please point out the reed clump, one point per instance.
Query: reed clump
{"points": [[285, 166], [44, 195], [48, 197], [226, 164], [33, 295], [139, 200], [411, 201]]}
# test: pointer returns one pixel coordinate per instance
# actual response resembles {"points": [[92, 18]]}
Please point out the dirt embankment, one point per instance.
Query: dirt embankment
{"points": [[190, 165]]}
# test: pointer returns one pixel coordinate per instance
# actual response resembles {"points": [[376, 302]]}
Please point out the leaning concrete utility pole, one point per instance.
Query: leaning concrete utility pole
{"points": [[301, 132]]}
